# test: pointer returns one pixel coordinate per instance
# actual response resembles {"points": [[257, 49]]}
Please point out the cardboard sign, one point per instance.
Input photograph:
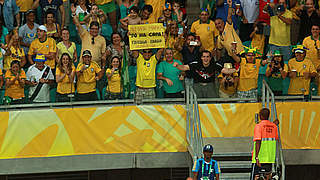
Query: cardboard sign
{"points": [[146, 36]]}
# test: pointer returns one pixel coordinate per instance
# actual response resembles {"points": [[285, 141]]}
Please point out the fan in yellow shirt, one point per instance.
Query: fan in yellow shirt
{"points": [[301, 70], [14, 52], [15, 81], [65, 78], [43, 45], [88, 72], [114, 88]]}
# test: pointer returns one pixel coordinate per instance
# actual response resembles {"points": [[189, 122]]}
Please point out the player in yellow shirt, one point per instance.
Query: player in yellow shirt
{"points": [[206, 30], [43, 45], [15, 80], [88, 72], [65, 74], [249, 72], [301, 70]]}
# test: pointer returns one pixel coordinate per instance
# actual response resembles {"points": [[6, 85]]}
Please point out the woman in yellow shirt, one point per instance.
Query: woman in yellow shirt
{"points": [[15, 81], [14, 52], [65, 78], [114, 89]]}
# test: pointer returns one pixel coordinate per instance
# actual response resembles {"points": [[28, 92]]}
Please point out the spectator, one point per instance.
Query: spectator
{"points": [[172, 38], [125, 5], [95, 14], [249, 14], [15, 81], [301, 70], [258, 37], [66, 46], [53, 29], [88, 72], [131, 19], [91, 40], [108, 7], [264, 150], [114, 87], [4, 37], [206, 30], [308, 16], [82, 10], [28, 32], [177, 16], [54, 6], [222, 8], [227, 39], [39, 78], [190, 52], [43, 45], [157, 9], [14, 52], [166, 17], [276, 72], [228, 83], [9, 14], [117, 47], [204, 75], [2, 54], [25, 6], [206, 167], [312, 42], [171, 76], [280, 28], [145, 13], [65, 78], [249, 71], [146, 73]]}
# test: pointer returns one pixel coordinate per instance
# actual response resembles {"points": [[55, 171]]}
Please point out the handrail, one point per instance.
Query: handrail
{"points": [[266, 93], [193, 124]]}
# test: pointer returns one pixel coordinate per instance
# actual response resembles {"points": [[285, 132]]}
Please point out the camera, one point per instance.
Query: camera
{"points": [[275, 67], [115, 69], [228, 81], [280, 8]]}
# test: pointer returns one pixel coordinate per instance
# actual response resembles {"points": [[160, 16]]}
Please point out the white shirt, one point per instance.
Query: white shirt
{"points": [[250, 9], [34, 74]]}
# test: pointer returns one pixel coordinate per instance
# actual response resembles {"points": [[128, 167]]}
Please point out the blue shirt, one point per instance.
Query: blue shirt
{"points": [[10, 10], [222, 12], [212, 167]]}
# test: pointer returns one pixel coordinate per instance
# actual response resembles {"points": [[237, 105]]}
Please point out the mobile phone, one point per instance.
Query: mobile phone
{"points": [[193, 43]]}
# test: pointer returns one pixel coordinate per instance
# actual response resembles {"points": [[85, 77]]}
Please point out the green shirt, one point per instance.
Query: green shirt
{"points": [[172, 73]]}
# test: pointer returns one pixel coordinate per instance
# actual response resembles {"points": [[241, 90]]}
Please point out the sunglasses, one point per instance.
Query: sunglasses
{"points": [[92, 40]]}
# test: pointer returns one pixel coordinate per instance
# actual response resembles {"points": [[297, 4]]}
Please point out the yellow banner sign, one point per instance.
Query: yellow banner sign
{"points": [[146, 36]]}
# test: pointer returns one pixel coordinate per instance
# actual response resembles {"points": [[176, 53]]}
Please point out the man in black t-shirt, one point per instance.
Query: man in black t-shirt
{"points": [[204, 74]]}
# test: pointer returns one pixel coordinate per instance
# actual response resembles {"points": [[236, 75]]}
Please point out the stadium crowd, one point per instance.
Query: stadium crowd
{"points": [[58, 50]]}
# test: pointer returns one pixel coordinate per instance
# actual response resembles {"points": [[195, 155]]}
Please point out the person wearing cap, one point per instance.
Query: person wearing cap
{"points": [[228, 82], [39, 78], [249, 72], [206, 168], [228, 39], [43, 45], [204, 74], [264, 149], [301, 70], [276, 71], [206, 30], [166, 16], [9, 13], [28, 32], [88, 72]]}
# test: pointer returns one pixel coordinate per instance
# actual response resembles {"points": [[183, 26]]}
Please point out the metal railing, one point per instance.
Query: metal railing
{"points": [[193, 125], [268, 100]]}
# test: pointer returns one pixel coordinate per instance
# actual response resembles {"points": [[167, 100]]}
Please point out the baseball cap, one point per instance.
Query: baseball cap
{"points": [[30, 11], [42, 28], [40, 58], [86, 53], [167, 6], [208, 148]]}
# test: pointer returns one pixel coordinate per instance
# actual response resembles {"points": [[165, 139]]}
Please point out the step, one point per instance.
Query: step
{"points": [[235, 164], [236, 176], [231, 145]]}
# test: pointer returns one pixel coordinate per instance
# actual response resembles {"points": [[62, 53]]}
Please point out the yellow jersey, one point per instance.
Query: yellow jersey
{"points": [[114, 83], [249, 73], [146, 72], [313, 45], [16, 54], [207, 33], [15, 91], [86, 81], [46, 47], [65, 86]]}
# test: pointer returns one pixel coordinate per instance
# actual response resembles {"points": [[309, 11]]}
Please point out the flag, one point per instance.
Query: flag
{"points": [[125, 74]]}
